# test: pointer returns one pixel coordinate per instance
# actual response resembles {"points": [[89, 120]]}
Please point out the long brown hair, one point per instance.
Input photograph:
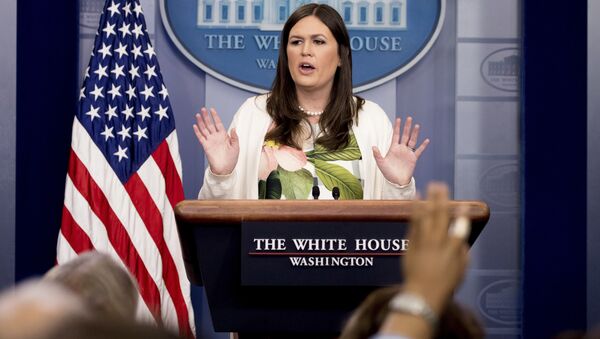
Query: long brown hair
{"points": [[341, 110]]}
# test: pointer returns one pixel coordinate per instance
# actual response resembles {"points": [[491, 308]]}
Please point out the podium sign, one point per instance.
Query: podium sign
{"points": [[322, 253]]}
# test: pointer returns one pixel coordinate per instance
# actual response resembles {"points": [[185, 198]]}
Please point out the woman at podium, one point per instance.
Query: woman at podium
{"points": [[310, 137]]}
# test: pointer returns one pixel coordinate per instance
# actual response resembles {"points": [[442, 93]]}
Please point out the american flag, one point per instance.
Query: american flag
{"points": [[124, 175]]}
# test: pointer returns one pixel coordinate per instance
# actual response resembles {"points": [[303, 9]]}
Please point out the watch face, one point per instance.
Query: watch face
{"points": [[414, 305], [404, 301]]}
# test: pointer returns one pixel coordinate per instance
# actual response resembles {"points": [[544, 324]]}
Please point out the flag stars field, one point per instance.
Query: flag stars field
{"points": [[127, 9], [131, 92], [124, 29], [144, 112], [111, 112], [150, 51], [109, 29], [147, 92], [113, 9], [115, 91], [162, 112], [105, 50], [93, 112], [137, 9], [150, 72], [124, 132], [97, 92], [140, 133], [101, 71], [118, 71], [122, 50], [127, 112], [137, 51], [133, 71], [163, 92], [121, 153], [137, 30], [107, 133]]}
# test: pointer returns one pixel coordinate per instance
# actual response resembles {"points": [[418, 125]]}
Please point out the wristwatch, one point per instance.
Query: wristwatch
{"points": [[414, 304]]}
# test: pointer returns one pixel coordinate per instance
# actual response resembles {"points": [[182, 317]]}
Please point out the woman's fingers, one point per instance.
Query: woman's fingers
{"points": [[396, 135], [208, 122], [406, 131], [422, 148], [218, 123], [210, 126], [414, 136], [377, 154], [199, 134], [201, 125]]}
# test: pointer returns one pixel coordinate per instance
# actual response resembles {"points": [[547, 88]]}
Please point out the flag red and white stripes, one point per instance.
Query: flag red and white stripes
{"points": [[134, 223]]}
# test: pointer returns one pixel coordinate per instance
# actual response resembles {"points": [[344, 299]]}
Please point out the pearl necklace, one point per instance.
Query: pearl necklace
{"points": [[307, 112]]}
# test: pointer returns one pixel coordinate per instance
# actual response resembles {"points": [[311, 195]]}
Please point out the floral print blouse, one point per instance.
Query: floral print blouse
{"points": [[289, 173]]}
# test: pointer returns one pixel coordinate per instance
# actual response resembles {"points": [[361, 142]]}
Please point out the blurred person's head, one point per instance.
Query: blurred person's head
{"points": [[113, 328], [35, 308], [594, 333], [455, 322], [104, 285]]}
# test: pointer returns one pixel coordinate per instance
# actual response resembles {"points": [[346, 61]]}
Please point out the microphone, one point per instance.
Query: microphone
{"points": [[315, 190], [335, 192]]}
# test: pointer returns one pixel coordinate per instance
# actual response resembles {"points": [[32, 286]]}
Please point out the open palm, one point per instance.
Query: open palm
{"points": [[399, 163], [221, 149]]}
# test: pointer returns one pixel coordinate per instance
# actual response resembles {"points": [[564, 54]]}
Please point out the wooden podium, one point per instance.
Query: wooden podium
{"points": [[221, 252]]}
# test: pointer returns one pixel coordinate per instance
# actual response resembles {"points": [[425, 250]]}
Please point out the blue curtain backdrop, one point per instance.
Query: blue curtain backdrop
{"points": [[554, 168], [46, 102]]}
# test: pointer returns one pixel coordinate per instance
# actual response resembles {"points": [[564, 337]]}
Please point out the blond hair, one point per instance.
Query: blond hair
{"points": [[105, 286]]}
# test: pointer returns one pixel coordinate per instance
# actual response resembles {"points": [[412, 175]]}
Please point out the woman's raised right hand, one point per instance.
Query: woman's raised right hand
{"points": [[221, 149]]}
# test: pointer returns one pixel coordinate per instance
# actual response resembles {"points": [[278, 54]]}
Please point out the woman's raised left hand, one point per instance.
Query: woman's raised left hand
{"points": [[399, 163]]}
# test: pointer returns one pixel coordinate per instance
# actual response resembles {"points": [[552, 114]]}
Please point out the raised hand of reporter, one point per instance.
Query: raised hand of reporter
{"points": [[399, 163], [433, 266], [437, 257], [221, 149]]}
